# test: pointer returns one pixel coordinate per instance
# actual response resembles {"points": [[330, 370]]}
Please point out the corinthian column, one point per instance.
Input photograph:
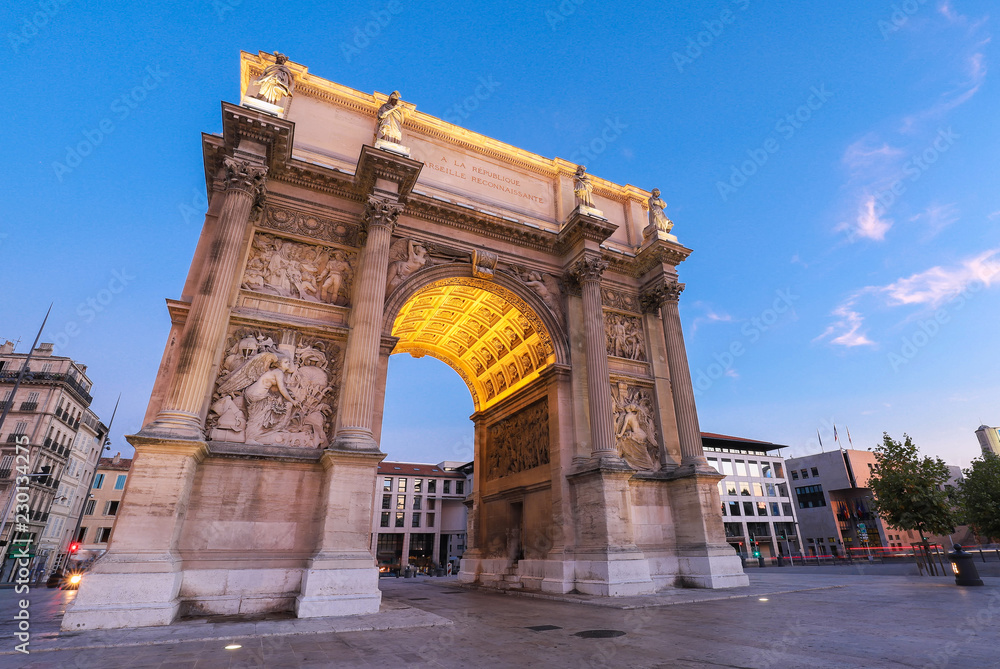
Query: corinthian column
{"points": [[588, 271], [692, 454], [357, 399], [205, 327]]}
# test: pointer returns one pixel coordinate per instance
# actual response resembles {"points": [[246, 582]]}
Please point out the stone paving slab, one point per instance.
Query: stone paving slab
{"points": [[392, 616], [782, 620]]}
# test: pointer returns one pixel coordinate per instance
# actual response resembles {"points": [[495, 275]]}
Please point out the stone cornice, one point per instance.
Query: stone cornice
{"points": [[309, 85], [659, 252], [581, 227], [376, 164], [274, 133]]}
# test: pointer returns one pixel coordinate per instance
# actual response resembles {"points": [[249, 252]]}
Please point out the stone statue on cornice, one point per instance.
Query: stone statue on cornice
{"points": [[657, 218], [582, 187], [390, 120], [276, 82]]}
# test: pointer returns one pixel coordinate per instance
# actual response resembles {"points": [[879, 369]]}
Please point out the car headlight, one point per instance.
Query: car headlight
{"points": [[75, 579]]}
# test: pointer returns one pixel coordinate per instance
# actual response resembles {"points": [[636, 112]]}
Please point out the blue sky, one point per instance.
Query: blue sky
{"points": [[834, 169]]}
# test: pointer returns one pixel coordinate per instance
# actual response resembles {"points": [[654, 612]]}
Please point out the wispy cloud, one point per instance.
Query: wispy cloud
{"points": [[936, 218], [870, 223], [846, 330], [938, 284], [929, 289], [710, 316], [959, 95]]}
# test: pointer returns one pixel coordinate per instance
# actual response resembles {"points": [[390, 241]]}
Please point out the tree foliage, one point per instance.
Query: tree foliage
{"points": [[909, 491], [980, 496]]}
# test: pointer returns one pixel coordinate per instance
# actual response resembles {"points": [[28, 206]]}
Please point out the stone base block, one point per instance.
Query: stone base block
{"points": [[614, 575], [338, 592], [115, 600], [712, 571]]}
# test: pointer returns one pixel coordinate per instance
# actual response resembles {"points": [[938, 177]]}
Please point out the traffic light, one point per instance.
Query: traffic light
{"points": [[73, 548]]}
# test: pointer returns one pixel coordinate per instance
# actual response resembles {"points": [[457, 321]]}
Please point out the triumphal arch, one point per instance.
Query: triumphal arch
{"points": [[345, 227]]}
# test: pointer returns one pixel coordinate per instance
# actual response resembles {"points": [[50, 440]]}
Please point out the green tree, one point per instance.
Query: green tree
{"points": [[979, 494], [909, 491]]}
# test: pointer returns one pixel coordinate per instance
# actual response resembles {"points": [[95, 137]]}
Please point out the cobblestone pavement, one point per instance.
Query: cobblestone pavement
{"points": [[782, 620]]}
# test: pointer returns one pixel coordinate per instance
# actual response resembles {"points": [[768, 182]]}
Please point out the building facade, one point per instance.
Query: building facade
{"points": [[49, 430], [420, 513], [69, 501], [989, 439], [757, 507], [101, 508], [835, 511]]}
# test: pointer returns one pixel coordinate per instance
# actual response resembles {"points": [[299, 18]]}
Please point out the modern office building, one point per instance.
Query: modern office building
{"points": [[835, 511], [48, 430], [102, 506], [420, 512], [758, 512], [989, 439]]}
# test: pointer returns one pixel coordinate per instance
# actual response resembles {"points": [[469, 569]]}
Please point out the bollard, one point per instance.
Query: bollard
{"points": [[964, 567], [760, 561]]}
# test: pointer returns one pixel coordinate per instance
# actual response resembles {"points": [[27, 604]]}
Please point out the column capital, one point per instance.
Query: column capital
{"points": [[381, 211], [661, 293], [588, 268], [247, 176]]}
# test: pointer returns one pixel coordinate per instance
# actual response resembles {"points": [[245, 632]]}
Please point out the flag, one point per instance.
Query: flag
{"points": [[849, 438], [820, 440], [835, 432]]}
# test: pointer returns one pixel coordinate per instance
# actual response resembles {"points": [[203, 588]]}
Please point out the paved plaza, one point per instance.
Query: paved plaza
{"points": [[808, 618]]}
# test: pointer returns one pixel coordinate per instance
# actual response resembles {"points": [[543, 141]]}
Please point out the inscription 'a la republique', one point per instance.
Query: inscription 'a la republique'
{"points": [[483, 177]]}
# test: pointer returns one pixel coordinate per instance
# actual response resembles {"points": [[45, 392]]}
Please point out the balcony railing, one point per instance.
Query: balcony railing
{"points": [[13, 437], [49, 377], [29, 406]]}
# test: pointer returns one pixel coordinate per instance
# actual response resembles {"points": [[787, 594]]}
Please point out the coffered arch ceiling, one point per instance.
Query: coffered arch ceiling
{"points": [[486, 333]]}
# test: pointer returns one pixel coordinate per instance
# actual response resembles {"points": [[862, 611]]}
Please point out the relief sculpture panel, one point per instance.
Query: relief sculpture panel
{"points": [[624, 336], [518, 442], [278, 266], [635, 426], [276, 394]]}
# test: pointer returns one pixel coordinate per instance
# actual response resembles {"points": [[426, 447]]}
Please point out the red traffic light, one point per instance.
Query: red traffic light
{"points": [[74, 547]]}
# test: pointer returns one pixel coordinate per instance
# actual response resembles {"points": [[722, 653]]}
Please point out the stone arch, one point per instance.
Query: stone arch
{"points": [[496, 355]]}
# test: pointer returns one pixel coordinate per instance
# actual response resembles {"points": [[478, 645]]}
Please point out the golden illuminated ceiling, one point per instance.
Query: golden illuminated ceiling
{"points": [[485, 332]]}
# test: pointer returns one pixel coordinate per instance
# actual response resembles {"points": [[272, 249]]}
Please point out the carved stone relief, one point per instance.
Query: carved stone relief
{"points": [[276, 393], [316, 227], [624, 336], [635, 426], [518, 442], [622, 301], [278, 266], [544, 285]]}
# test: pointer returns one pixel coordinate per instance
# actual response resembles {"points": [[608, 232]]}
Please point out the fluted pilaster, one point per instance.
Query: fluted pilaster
{"points": [[205, 327], [361, 359], [588, 271], [666, 297]]}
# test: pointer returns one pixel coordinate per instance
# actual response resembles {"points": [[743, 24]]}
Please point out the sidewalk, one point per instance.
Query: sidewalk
{"points": [[783, 619]]}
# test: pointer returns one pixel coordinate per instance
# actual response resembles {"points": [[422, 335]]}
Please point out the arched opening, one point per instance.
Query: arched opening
{"points": [[504, 352], [485, 332]]}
